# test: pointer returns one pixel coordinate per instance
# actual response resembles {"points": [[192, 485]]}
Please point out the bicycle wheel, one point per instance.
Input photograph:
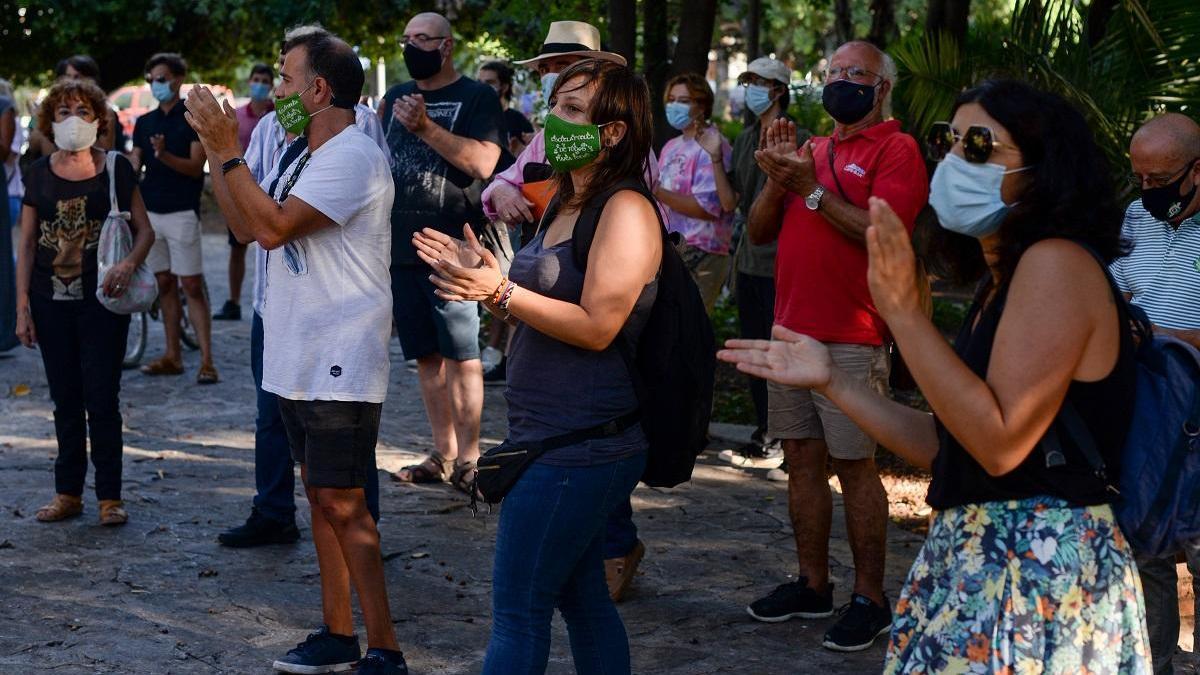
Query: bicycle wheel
{"points": [[135, 343]]}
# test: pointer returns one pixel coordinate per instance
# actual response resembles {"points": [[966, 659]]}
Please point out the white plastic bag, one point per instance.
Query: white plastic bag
{"points": [[116, 241]]}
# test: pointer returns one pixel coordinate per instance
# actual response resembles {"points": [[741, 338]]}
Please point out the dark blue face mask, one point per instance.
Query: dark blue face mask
{"points": [[848, 102]]}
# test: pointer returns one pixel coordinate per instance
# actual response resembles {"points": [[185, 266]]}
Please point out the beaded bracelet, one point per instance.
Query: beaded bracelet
{"points": [[507, 296], [499, 291]]}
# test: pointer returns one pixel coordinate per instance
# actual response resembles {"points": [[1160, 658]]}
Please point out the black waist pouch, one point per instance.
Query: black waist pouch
{"points": [[501, 467]]}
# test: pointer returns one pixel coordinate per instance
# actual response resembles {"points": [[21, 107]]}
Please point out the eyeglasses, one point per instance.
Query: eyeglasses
{"points": [[159, 80], [1159, 181], [420, 39], [977, 144], [850, 73]]}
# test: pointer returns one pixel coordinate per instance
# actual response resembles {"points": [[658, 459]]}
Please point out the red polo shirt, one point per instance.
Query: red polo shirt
{"points": [[820, 274]]}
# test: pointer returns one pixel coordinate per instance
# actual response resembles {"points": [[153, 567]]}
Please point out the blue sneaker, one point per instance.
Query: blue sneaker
{"points": [[321, 652], [382, 662]]}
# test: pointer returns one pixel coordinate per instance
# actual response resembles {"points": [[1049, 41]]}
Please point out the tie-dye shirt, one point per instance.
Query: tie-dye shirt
{"points": [[685, 167]]}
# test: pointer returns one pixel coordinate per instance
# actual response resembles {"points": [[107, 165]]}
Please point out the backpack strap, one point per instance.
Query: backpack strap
{"points": [[589, 218], [114, 208]]}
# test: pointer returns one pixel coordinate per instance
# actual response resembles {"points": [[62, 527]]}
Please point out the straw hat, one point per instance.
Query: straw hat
{"points": [[573, 38]]}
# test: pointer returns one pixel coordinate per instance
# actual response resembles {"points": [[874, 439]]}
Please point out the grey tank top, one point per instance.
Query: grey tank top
{"points": [[554, 387]]}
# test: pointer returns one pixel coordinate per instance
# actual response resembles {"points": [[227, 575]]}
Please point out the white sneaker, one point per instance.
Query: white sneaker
{"points": [[754, 456], [779, 475], [490, 357]]}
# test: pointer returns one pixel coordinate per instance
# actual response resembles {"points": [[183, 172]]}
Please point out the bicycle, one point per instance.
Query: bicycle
{"points": [[139, 324]]}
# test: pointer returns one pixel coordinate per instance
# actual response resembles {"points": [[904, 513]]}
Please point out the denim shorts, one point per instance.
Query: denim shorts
{"points": [[335, 440], [428, 325]]}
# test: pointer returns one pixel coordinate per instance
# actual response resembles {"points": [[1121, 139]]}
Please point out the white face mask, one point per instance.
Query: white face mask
{"points": [[73, 134]]}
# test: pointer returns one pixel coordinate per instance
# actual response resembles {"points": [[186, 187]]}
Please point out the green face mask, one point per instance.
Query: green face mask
{"points": [[570, 146], [291, 115]]}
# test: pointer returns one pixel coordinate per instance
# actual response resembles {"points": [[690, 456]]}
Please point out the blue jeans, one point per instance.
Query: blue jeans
{"points": [[549, 553], [274, 470], [620, 533]]}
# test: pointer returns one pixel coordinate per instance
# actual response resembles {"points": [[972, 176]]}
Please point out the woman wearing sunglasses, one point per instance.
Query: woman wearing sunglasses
{"points": [[1024, 568]]}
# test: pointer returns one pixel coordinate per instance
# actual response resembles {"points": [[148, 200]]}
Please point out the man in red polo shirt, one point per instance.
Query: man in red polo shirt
{"points": [[815, 204]]}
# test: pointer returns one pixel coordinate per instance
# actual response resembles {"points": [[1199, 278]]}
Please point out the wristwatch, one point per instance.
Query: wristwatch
{"points": [[813, 201], [231, 165]]}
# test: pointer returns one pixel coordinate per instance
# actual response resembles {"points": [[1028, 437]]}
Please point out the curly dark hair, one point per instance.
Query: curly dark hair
{"points": [[71, 91], [1070, 194], [621, 96]]}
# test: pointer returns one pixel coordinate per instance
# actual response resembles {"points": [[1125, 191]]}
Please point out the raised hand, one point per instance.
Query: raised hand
{"points": [[410, 111], [794, 170], [433, 246], [710, 139], [457, 282], [789, 358], [215, 123], [892, 268]]}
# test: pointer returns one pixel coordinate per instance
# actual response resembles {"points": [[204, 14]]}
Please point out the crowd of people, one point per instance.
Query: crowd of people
{"points": [[446, 204]]}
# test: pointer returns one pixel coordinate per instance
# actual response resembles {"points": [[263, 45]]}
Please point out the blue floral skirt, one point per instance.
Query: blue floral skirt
{"points": [[1020, 587]]}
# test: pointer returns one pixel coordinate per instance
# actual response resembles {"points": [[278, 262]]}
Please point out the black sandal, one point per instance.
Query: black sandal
{"points": [[432, 469]]}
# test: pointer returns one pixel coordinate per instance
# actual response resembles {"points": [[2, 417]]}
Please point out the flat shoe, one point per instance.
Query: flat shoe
{"points": [[163, 366], [112, 512], [60, 508]]}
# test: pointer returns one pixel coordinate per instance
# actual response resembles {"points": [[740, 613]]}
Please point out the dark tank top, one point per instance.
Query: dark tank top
{"points": [[1106, 407]]}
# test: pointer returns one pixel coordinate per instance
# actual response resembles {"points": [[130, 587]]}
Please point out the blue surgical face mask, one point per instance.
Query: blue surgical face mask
{"points": [[162, 91], [966, 196], [679, 115], [758, 99], [547, 86], [260, 91]]}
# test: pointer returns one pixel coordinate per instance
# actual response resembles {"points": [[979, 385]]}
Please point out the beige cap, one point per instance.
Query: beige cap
{"points": [[573, 38], [770, 69]]}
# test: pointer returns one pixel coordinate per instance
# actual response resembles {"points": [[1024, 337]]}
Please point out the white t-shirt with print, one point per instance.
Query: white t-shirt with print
{"points": [[327, 307]]}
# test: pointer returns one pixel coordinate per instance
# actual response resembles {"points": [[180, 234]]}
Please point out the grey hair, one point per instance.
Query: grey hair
{"points": [[890, 75]]}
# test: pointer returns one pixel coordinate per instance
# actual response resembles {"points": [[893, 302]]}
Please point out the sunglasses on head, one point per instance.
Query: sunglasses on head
{"points": [[977, 144]]}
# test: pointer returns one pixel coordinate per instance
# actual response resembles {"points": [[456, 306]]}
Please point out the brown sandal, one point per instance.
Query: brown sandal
{"points": [[163, 366], [207, 375], [463, 477], [432, 469], [112, 512], [60, 508]]}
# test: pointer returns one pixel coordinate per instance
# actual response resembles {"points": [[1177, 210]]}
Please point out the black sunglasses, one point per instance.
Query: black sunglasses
{"points": [[978, 143], [159, 80]]}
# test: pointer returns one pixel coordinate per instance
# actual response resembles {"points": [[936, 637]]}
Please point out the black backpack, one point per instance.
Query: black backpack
{"points": [[674, 361]]}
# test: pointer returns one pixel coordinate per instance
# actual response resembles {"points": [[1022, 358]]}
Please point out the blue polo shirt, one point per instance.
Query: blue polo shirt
{"points": [[164, 189], [1163, 271]]}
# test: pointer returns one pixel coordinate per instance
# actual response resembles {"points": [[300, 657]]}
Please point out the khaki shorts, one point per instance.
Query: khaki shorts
{"points": [[176, 246], [800, 414], [709, 270]]}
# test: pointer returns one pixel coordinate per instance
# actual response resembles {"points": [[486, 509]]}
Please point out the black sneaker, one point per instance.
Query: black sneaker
{"points": [[230, 311], [861, 621], [497, 375], [321, 652], [793, 600], [382, 662], [259, 530]]}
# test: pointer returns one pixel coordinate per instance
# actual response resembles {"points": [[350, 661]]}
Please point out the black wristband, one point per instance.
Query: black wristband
{"points": [[231, 165]]}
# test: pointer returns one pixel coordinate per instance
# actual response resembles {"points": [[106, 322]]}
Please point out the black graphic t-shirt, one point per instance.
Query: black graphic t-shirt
{"points": [[431, 192], [70, 214]]}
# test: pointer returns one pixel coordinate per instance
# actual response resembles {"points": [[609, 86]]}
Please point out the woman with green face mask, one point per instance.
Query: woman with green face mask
{"points": [[565, 371]]}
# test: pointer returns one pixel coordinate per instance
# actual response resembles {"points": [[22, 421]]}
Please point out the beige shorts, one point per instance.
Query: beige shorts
{"points": [[800, 414], [709, 270], [176, 246]]}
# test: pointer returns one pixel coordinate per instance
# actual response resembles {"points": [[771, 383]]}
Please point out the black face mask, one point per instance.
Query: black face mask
{"points": [[422, 64], [1165, 203], [848, 102]]}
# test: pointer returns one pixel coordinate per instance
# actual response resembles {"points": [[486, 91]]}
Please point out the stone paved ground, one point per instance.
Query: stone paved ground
{"points": [[160, 596]]}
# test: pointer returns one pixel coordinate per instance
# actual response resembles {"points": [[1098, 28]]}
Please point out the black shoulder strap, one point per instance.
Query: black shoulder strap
{"points": [[589, 218]]}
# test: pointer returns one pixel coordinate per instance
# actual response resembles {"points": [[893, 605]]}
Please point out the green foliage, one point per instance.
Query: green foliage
{"points": [[729, 128], [1144, 64], [949, 314], [808, 112]]}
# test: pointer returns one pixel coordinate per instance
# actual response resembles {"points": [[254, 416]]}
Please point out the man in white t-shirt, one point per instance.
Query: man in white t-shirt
{"points": [[326, 321]]}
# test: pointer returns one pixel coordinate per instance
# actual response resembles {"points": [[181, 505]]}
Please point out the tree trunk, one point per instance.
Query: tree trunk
{"points": [[843, 25], [622, 29], [1098, 15], [695, 37], [949, 16], [883, 23], [753, 21], [655, 64]]}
